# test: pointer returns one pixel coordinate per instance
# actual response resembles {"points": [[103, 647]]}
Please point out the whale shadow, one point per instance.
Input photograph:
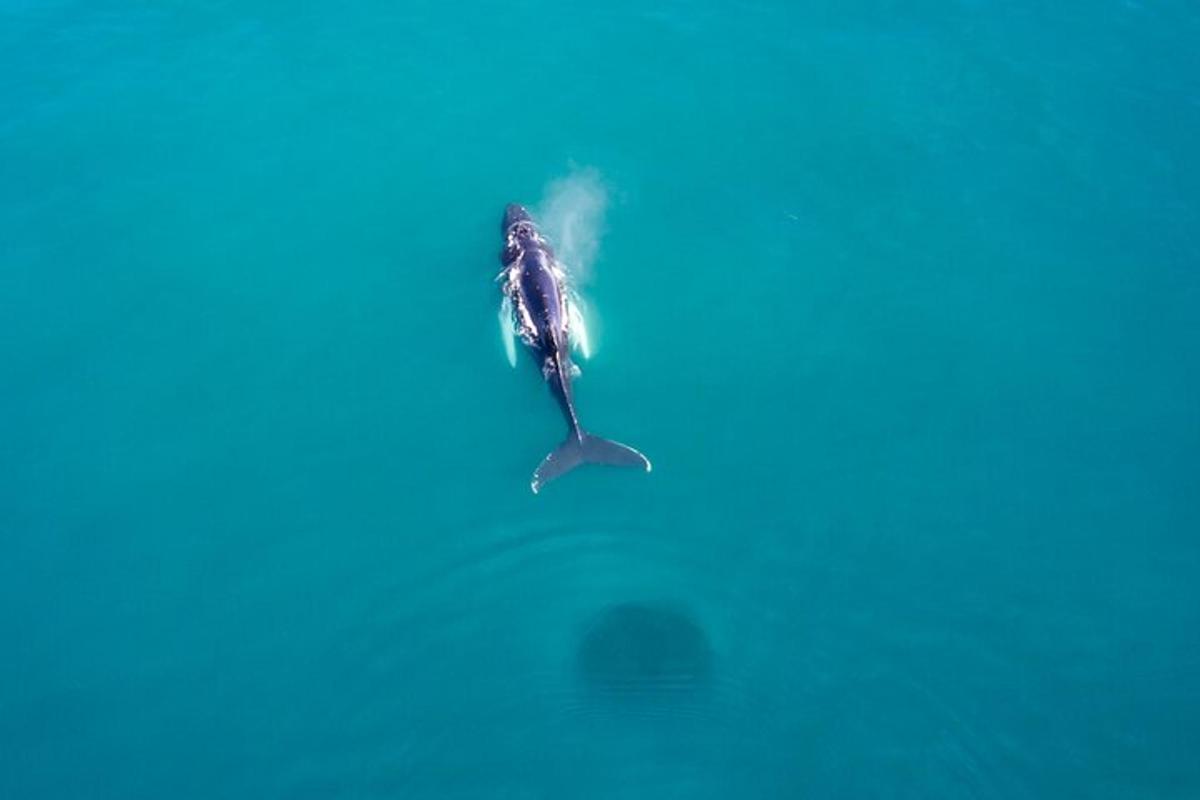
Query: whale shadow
{"points": [[644, 653]]}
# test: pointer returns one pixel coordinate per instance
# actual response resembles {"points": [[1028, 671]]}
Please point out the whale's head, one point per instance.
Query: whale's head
{"points": [[514, 214]]}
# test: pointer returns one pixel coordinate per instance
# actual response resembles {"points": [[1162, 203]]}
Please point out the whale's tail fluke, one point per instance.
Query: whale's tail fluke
{"points": [[585, 449]]}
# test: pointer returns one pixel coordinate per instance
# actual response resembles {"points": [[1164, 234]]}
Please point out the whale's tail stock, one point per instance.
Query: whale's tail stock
{"points": [[585, 449]]}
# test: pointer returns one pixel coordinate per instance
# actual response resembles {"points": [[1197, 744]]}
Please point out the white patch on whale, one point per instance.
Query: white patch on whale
{"points": [[508, 333], [578, 329]]}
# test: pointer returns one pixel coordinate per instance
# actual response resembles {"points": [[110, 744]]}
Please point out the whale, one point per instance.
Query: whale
{"points": [[540, 308]]}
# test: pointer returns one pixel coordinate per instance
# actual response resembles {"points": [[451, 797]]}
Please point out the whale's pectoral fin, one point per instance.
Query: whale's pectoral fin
{"points": [[578, 329], [586, 449], [508, 333]]}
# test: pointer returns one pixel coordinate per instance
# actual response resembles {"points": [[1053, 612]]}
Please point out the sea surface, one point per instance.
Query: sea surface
{"points": [[901, 298]]}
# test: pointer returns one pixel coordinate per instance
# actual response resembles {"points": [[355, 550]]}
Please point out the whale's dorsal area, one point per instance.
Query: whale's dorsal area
{"points": [[510, 327]]}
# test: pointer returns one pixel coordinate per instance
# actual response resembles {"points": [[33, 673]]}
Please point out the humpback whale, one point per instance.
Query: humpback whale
{"points": [[540, 308]]}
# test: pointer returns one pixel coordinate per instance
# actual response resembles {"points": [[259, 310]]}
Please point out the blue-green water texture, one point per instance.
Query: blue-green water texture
{"points": [[901, 298]]}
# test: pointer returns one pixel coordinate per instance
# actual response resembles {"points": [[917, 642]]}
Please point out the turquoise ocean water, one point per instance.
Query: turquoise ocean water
{"points": [[900, 298]]}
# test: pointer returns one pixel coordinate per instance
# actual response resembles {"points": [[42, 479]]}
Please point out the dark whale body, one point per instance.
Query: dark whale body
{"points": [[534, 286]]}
